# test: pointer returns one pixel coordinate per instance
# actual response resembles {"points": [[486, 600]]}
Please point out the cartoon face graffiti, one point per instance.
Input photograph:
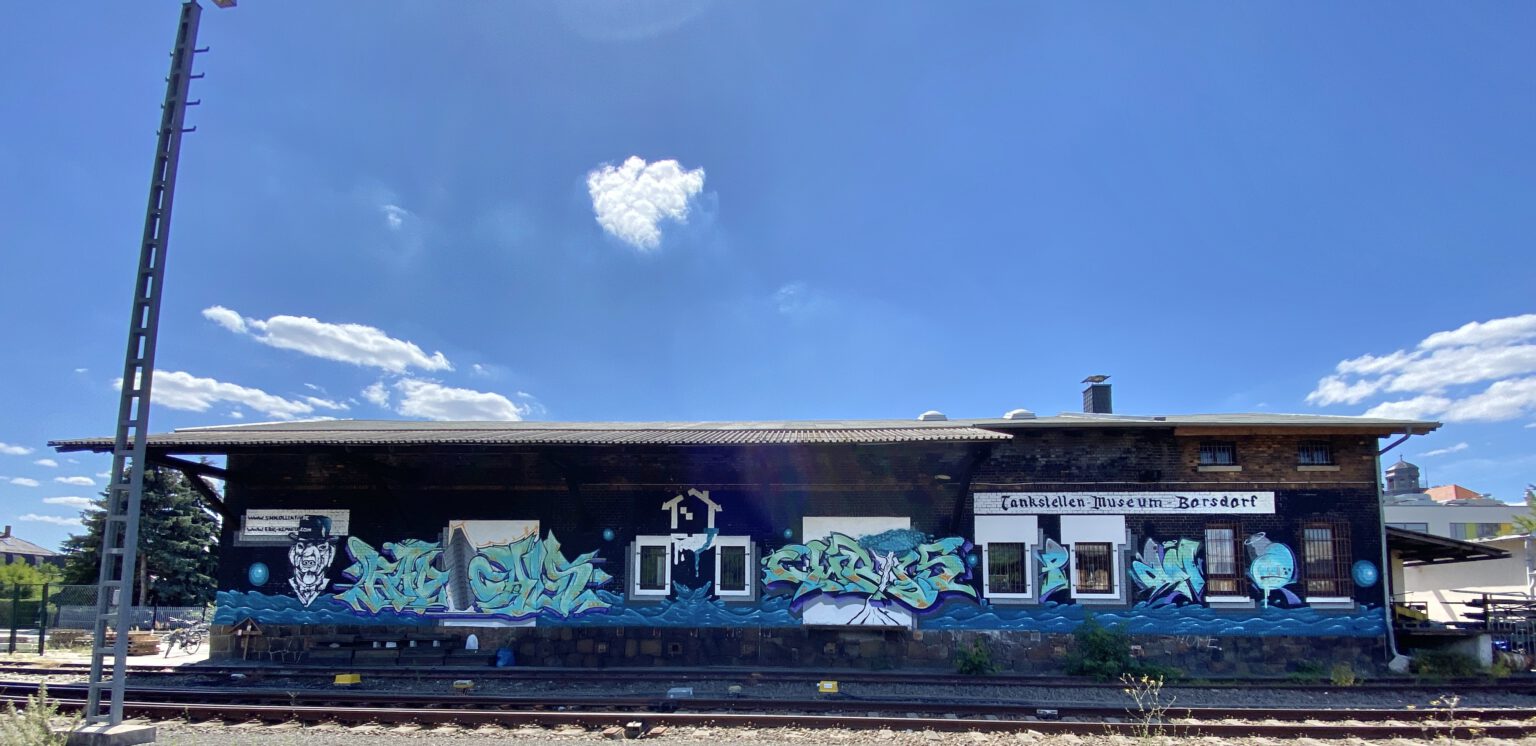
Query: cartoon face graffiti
{"points": [[310, 556]]}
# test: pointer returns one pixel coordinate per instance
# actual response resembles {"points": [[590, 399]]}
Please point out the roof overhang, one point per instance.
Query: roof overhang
{"points": [[1418, 548]]}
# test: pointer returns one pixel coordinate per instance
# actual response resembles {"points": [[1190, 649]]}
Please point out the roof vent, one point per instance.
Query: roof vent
{"points": [[932, 415], [1019, 414]]}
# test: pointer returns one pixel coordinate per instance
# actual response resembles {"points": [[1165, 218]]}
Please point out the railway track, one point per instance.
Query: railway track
{"points": [[359, 707], [1517, 685]]}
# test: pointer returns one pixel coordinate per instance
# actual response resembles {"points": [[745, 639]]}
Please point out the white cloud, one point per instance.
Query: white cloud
{"points": [[434, 401], [1440, 377], [395, 216], [1458, 448], [24, 482], [10, 450], [226, 318], [377, 394], [348, 343], [235, 414], [76, 481], [103, 474], [82, 370], [184, 391], [630, 200], [798, 299], [84, 503], [57, 520], [48, 462]]}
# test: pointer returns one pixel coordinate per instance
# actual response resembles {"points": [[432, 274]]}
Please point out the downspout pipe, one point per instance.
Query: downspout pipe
{"points": [[1386, 559]]}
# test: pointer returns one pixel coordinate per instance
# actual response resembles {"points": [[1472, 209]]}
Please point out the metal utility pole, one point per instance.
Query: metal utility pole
{"points": [[120, 531]]}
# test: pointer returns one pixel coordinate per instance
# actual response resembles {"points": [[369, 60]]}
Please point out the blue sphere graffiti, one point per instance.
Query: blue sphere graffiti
{"points": [[258, 573], [1365, 574], [789, 534], [971, 559], [607, 534]]}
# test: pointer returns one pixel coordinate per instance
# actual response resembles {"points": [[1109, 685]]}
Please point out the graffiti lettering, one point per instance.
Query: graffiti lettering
{"points": [[401, 577], [1169, 572], [892, 566], [1053, 568]]}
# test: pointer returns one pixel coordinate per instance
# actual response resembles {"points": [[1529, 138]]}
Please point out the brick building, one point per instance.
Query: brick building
{"points": [[1224, 543]]}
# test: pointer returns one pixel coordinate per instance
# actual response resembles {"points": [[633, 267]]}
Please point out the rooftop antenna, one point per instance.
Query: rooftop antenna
{"points": [[120, 527]]}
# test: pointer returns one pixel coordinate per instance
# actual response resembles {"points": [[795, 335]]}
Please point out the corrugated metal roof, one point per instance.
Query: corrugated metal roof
{"points": [[13, 545], [404, 432], [399, 433]]}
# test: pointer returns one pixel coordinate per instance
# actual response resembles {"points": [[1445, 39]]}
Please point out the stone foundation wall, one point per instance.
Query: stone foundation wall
{"points": [[571, 647]]}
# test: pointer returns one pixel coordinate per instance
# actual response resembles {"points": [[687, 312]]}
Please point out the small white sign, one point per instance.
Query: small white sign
{"points": [[1123, 503], [271, 525]]}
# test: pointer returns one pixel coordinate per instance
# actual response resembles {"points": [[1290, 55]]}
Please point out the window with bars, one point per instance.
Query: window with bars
{"points": [[1094, 567], [1222, 577], [733, 569], [1007, 567], [1314, 453], [1218, 453], [651, 567], [1325, 553]]}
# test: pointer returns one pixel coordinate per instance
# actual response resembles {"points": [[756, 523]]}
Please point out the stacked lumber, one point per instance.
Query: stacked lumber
{"points": [[139, 643]]}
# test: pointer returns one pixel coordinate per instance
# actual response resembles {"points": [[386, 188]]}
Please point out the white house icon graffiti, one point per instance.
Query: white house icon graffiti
{"points": [[692, 541], [677, 507]]}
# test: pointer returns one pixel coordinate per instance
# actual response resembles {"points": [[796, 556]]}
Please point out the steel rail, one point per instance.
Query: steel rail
{"points": [[1520, 685], [599, 719], [659, 704]]}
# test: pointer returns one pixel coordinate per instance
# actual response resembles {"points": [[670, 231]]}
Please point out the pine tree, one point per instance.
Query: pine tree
{"points": [[177, 542]]}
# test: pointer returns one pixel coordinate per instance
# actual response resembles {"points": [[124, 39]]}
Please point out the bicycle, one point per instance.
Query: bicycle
{"points": [[189, 639]]}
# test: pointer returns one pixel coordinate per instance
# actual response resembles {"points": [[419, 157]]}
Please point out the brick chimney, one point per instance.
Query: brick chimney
{"points": [[1096, 396], [7, 533]]}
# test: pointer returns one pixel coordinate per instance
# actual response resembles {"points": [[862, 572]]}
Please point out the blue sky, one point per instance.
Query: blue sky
{"points": [[684, 209]]}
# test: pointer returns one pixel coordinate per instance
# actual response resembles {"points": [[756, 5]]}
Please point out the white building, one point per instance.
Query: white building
{"points": [[1451, 511], [1445, 589]]}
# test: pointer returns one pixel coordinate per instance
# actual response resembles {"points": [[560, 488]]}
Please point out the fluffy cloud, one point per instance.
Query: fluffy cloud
{"points": [[348, 343], [181, 390], [24, 482], [377, 394], [630, 201], [83, 503], [434, 401], [1480, 372], [1458, 448], [57, 520], [10, 450], [76, 481], [48, 462]]}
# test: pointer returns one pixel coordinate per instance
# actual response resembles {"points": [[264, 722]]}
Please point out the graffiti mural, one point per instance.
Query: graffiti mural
{"points": [[401, 577], [1053, 568], [310, 556], [1272, 568], [896, 566], [1169, 572], [516, 581]]}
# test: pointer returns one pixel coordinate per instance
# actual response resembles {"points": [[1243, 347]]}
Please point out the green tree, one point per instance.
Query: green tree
{"points": [[1527, 523], [177, 542], [31, 577]]}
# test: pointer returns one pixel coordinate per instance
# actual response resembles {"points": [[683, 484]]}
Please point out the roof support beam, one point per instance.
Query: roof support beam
{"points": [[194, 473]]}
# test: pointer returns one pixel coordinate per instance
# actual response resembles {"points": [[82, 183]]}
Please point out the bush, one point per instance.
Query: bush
{"points": [[1343, 674], [36, 724], [1102, 652], [1445, 664], [975, 660], [1105, 653]]}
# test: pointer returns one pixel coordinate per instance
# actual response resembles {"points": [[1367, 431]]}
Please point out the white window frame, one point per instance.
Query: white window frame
{"points": [[665, 542], [1096, 529], [1009, 529], [744, 542]]}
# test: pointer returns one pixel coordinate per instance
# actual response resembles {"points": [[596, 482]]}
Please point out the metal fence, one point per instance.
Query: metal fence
{"points": [[34, 618]]}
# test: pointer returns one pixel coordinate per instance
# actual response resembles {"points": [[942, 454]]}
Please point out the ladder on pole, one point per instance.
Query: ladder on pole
{"points": [[120, 530]]}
